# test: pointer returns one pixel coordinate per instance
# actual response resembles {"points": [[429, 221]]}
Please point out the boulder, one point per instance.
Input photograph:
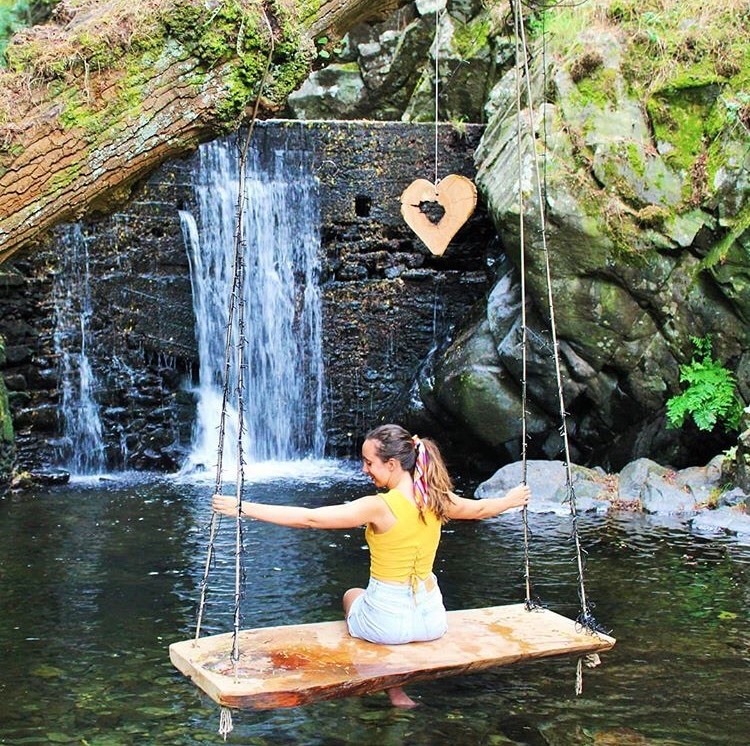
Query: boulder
{"points": [[550, 494], [722, 521]]}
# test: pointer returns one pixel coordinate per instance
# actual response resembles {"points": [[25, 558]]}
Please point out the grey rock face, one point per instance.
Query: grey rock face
{"points": [[627, 274]]}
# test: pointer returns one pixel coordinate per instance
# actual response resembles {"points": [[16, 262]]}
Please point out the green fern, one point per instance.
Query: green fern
{"points": [[711, 394]]}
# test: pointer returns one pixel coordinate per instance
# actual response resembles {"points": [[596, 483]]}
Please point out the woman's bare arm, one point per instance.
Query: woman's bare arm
{"points": [[346, 515], [464, 509]]}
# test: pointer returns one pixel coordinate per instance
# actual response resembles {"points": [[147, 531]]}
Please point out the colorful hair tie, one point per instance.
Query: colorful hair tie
{"points": [[420, 472]]}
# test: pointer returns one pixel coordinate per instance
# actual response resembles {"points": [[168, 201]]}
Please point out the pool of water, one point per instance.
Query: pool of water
{"points": [[97, 578]]}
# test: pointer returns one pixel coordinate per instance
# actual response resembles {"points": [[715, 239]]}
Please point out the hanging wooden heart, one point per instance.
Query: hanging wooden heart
{"points": [[450, 203]]}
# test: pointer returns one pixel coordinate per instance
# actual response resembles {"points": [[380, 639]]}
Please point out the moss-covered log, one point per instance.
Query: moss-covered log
{"points": [[96, 99]]}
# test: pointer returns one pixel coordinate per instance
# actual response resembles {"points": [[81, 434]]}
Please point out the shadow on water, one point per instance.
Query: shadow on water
{"points": [[97, 578]]}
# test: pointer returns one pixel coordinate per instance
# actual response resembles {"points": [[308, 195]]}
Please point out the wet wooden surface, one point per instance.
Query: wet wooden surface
{"points": [[298, 664]]}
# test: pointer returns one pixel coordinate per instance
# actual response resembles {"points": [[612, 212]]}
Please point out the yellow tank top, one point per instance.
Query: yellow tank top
{"points": [[406, 552]]}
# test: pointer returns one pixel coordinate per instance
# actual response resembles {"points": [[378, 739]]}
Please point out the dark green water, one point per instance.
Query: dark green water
{"points": [[96, 580]]}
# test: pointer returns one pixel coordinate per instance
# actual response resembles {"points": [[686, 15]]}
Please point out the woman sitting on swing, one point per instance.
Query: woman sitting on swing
{"points": [[402, 602]]}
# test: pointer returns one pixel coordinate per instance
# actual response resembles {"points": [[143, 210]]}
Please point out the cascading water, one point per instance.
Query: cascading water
{"points": [[283, 381], [81, 448]]}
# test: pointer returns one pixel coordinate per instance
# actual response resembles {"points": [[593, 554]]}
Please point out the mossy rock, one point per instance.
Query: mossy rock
{"points": [[732, 274], [639, 177], [477, 390], [679, 116]]}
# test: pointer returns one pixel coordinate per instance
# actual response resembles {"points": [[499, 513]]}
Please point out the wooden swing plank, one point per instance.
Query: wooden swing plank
{"points": [[298, 664]]}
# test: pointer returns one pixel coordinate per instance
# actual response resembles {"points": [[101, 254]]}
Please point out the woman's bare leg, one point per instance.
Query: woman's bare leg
{"points": [[399, 698], [349, 597]]}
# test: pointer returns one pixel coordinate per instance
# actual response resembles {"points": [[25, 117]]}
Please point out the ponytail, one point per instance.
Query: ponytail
{"points": [[439, 482]]}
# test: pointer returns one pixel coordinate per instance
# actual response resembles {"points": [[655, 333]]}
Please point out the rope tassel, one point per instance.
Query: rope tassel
{"points": [[579, 677], [592, 660], [225, 722]]}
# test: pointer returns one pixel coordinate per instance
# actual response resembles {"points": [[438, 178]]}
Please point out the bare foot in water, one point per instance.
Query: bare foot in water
{"points": [[399, 698]]}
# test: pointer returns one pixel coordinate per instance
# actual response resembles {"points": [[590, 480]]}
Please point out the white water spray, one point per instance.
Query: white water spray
{"points": [[283, 391], [81, 449]]}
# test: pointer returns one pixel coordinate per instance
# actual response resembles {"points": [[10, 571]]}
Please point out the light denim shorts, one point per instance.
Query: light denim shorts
{"points": [[392, 614]]}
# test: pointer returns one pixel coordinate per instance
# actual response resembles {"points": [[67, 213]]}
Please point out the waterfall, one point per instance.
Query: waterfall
{"points": [[81, 448], [283, 382]]}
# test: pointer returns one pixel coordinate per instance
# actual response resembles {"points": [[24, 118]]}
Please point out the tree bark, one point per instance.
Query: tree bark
{"points": [[76, 142]]}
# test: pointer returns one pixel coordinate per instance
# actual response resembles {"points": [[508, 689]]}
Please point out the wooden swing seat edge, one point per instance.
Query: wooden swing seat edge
{"points": [[291, 665]]}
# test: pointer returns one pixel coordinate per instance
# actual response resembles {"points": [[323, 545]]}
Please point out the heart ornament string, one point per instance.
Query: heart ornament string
{"points": [[436, 211]]}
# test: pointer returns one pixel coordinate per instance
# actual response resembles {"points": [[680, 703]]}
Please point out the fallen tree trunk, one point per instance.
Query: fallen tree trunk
{"points": [[98, 98]]}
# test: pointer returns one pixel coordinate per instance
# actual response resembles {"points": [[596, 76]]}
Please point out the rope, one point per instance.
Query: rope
{"points": [[592, 660], [236, 306], [438, 14], [226, 726], [215, 519], [235, 292], [529, 603], [239, 272], [585, 618], [553, 330]]}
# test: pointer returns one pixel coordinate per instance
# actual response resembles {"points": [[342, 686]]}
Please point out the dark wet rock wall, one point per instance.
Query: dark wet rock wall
{"points": [[387, 300]]}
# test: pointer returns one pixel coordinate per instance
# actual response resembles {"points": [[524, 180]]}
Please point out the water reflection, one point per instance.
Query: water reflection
{"points": [[97, 579]]}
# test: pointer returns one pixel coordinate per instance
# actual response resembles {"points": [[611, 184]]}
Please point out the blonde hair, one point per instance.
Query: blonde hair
{"points": [[393, 441]]}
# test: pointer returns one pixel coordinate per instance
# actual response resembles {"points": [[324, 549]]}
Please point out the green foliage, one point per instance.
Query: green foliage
{"points": [[711, 395], [6, 423], [12, 18], [471, 38], [458, 123], [327, 49], [737, 107], [537, 23], [216, 36], [16, 14]]}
